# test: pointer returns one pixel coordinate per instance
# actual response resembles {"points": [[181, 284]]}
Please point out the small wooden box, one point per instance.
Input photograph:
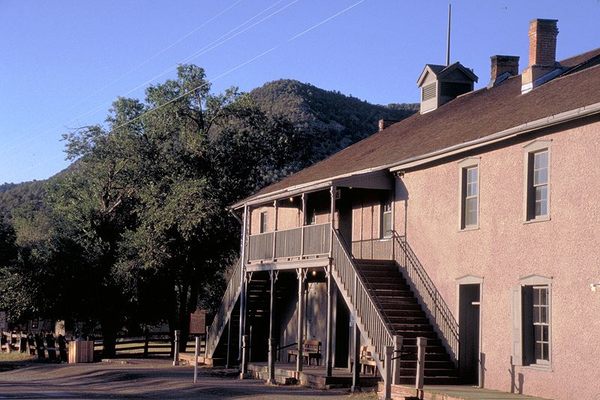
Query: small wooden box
{"points": [[81, 352]]}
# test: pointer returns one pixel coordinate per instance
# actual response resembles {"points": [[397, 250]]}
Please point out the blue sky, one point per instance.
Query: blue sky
{"points": [[64, 61]]}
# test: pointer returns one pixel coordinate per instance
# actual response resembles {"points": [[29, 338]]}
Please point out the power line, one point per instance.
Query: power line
{"points": [[231, 70], [212, 45]]}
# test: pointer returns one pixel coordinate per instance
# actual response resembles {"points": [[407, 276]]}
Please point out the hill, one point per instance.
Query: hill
{"points": [[333, 119], [27, 196], [337, 119]]}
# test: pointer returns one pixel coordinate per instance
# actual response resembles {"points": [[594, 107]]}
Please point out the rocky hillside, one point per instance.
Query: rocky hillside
{"points": [[337, 119]]}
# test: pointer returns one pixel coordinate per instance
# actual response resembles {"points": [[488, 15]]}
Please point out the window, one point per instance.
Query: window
{"points": [[386, 219], [263, 222], [311, 217], [538, 184], [537, 189], [531, 322], [469, 193], [541, 326]]}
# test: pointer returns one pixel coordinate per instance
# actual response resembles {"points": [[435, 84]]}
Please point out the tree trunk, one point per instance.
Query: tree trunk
{"points": [[184, 317], [109, 338]]}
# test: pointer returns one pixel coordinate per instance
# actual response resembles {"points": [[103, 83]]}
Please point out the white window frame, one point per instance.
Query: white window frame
{"points": [[536, 146], [463, 165], [263, 220], [518, 353], [383, 234]]}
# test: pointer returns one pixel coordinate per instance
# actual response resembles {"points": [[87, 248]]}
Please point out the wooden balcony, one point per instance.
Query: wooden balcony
{"points": [[306, 242]]}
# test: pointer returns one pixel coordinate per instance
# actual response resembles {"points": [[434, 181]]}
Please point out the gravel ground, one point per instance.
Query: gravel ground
{"points": [[147, 379]]}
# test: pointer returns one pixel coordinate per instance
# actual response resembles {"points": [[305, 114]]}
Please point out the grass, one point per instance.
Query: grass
{"points": [[15, 357], [14, 360]]}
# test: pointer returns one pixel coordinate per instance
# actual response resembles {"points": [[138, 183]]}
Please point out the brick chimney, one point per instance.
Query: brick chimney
{"points": [[542, 52], [384, 123], [503, 67]]}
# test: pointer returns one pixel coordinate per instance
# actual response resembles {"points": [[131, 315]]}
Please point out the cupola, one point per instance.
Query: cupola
{"points": [[439, 84]]}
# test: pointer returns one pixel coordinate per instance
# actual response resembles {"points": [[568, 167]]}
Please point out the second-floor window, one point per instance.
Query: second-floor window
{"points": [[470, 197], [386, 219], [537, 187], [263, 222]]}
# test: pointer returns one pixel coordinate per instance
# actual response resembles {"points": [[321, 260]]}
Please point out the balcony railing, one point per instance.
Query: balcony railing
{"points": [[297, 243], [373, 249]]}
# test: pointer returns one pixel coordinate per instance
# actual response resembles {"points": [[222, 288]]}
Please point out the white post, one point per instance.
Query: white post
{"points": [[421, 345], [244, 365], [300, 327], [329, 335], [196, 351], [176, 349], [387, 379], [397, 359]]}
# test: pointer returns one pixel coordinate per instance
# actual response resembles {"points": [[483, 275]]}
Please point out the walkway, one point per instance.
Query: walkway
{"points": [[435, 392], [147, 379]]}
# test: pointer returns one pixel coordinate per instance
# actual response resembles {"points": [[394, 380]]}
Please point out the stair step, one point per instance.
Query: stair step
{"points": [[431, 380]]}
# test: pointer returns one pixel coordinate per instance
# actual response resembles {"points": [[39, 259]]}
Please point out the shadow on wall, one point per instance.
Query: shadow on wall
{"points": [[482, 370], [516, 379]]}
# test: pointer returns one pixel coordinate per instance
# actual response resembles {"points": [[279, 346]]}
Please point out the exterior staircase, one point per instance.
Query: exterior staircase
{"points": [[405, 317]]}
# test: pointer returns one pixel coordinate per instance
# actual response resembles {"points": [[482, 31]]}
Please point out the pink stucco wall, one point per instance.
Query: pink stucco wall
{"points": [[504, 249]]}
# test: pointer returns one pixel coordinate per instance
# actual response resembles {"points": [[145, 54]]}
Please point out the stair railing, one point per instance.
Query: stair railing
{"points": [[224, 313], [441, 317], [368, 315]]}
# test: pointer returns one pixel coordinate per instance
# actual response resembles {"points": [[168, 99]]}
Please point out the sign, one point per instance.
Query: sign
{"points": [[198, 322]]}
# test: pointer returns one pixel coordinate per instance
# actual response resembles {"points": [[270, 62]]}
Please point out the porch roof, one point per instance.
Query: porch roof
{"points": [[375, 179], [473, 119]]}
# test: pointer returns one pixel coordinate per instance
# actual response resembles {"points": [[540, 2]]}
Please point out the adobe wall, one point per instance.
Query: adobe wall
{"points": [[504, 248]]}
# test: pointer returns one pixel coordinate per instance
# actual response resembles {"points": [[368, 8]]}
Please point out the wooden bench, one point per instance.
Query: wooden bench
{"points": [[311, 350], [367, 361]]}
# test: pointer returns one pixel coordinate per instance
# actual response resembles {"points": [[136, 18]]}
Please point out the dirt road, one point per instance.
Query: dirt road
{"points": [[146, 379]]}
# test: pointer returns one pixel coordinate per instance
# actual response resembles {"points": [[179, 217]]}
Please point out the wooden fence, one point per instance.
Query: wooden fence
{"points": [[151, 345]]}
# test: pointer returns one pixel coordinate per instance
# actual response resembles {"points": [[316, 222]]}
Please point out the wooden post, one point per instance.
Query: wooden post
{"points": [[300, 335], [271, 358], [329, 349], [244, 363], [274, 228], [387, 379], [356, 365], [332, 190], [303, 224], [271, 379], [228, 343], [421, 346], [146, 344], [396, 362], [196, 352], [242, 280], [176, 348]]}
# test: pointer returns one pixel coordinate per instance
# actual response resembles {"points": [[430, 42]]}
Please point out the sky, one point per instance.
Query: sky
{"points": [[63, 62]]}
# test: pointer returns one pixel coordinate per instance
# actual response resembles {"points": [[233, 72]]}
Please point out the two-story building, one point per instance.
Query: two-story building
{"points": [[473, 223]]}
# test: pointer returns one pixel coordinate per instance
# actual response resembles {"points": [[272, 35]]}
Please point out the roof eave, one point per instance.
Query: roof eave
{"points": [[527, 127]]}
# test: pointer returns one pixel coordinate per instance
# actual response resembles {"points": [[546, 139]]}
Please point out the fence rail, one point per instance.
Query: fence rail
{"points": [[442, 318], [154, 344], [368, 313], [230, 296]]}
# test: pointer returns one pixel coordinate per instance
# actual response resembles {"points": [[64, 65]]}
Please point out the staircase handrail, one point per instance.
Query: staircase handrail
{"points": [[443, 319], [223, 314], [373, 322]]}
